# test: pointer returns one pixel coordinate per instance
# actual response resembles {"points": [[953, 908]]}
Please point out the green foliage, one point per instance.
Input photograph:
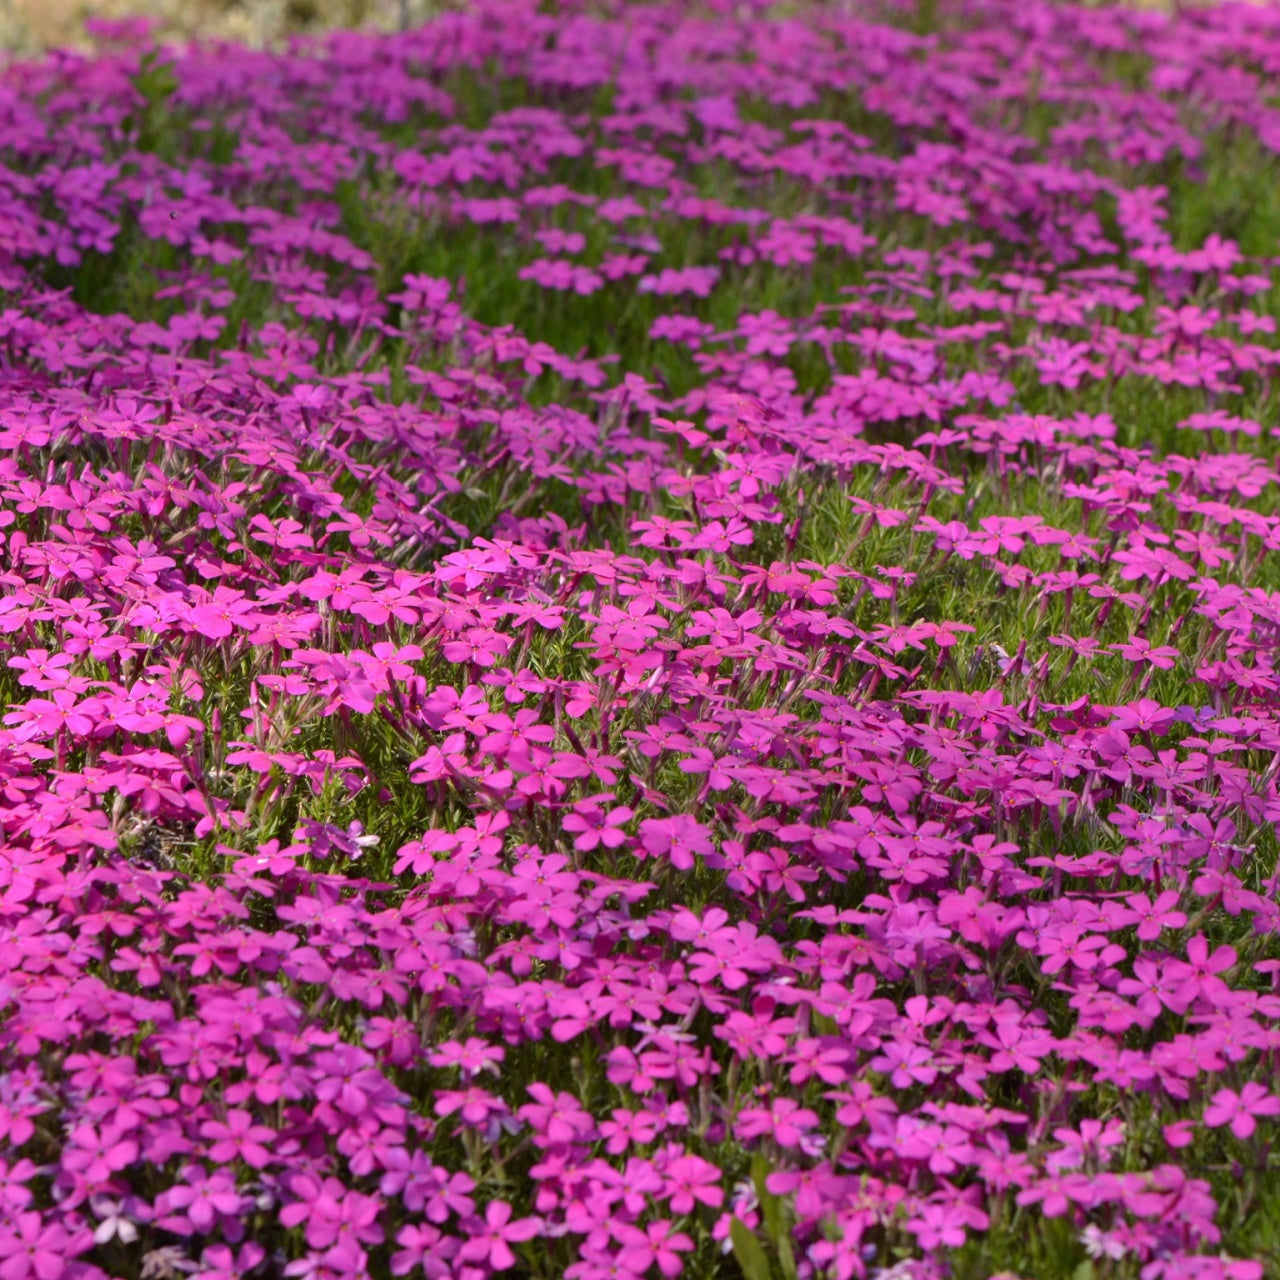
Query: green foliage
{"points": [[156, 82], [748, 1251]]}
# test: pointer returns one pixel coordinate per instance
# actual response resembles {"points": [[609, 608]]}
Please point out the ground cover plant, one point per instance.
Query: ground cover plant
{"points": [[641, 641]]}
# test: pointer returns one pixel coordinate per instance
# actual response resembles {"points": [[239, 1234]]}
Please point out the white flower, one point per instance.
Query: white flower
{"points": [[1101, 1244], [113, 1225]]}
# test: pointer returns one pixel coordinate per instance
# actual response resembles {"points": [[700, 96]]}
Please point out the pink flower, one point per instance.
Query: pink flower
{"points": [[332, 1213], [97, 1155], [30, 1247], [423, 1246], [671, 281], [1153, 917], [1139, 649], [492, 1238], [1055, 1193], [657, 1245], [1143, 716], [472, 1057], [63, 711], [691, 1180], [474, 1106], [680, 838], [40, 671], [785, 1121], [1241, 1110], [219, 618], [204, 1196], [556, 1117], [591, 826], [239, 1138], [1197, 976]]}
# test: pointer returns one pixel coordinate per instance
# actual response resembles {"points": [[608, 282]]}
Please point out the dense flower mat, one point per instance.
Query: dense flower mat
{"points": [[641, 642]]}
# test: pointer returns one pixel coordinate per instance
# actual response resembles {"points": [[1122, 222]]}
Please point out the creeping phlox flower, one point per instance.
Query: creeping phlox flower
{"points": [[609, 675]]}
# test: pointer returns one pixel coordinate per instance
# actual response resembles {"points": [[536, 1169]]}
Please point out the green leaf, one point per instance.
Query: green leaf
{"points": [[155, 80], [786, 1256], [824, 1025], [777, 1216], [746, 1248], [760, 1170], [1084, 1271]]}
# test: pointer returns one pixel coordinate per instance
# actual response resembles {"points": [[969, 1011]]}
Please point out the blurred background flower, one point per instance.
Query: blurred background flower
{"points": [[27, 26]]}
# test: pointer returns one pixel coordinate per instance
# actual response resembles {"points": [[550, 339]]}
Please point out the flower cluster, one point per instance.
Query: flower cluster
{"points": [[641, 640]]}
